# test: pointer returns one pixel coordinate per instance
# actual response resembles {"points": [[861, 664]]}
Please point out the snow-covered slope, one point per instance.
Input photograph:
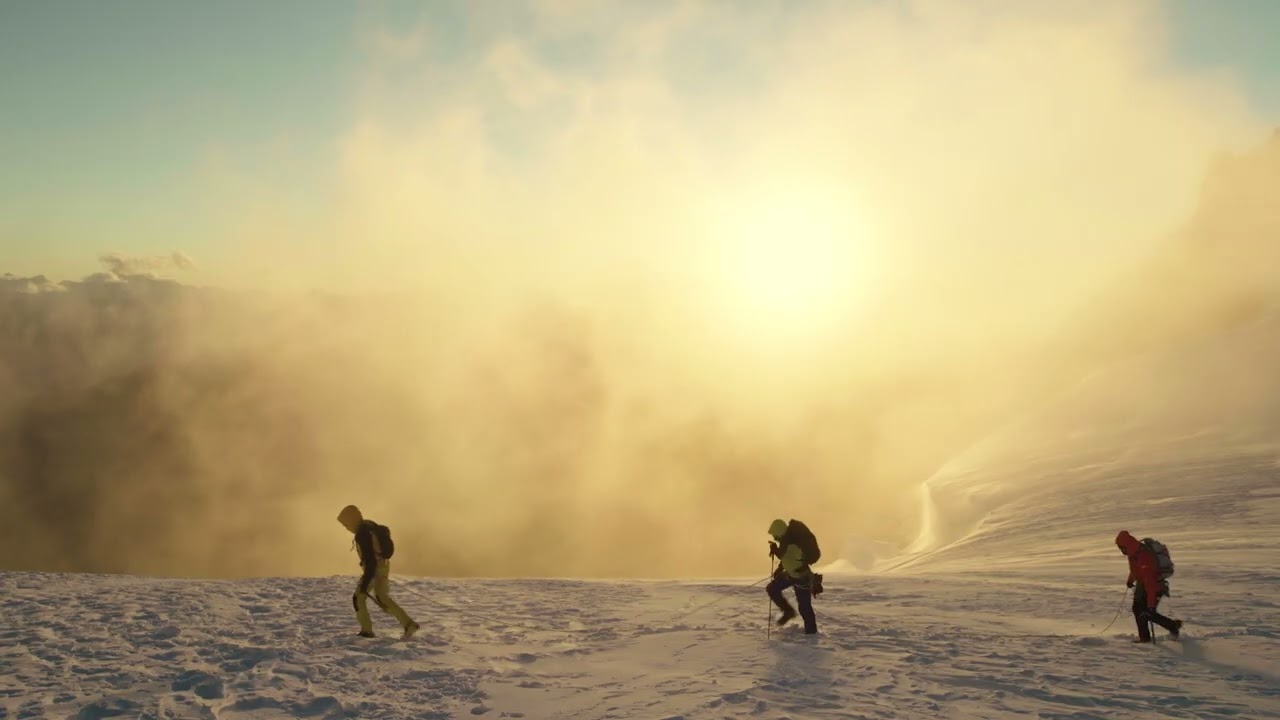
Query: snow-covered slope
{"points": [[1181, 444]]}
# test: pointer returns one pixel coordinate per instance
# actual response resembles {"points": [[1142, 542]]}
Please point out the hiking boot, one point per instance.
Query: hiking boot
{"points": [[366, 633], [409, 630], [787, 616], [1176, 631], [1141, 640]]}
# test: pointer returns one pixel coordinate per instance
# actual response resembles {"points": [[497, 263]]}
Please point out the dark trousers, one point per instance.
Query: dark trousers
{"points": [[804, 599], [1144, 615]]}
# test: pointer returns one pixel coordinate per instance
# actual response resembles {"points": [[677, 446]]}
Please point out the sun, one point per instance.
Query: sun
{"points": [[788, 266]]}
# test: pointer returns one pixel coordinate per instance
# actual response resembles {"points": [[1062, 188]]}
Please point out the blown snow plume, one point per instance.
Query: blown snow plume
{"points": [[147, 426], [1179, 411]]}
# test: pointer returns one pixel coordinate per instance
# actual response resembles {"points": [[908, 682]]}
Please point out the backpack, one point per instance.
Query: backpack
{"points": [[1161, 552], [382, 534], [802, 536]]}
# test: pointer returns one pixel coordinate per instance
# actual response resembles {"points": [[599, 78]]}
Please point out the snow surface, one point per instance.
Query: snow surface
{"points": [[1002, 608], [891, 647]]}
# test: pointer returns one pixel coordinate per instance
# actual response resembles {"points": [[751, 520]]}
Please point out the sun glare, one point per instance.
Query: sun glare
{"points": [[788, 266]]}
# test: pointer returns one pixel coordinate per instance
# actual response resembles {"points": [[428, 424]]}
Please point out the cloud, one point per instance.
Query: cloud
{"points": [[398, 47], [121, 265], [1002, 161], [993, 149], [525, 82], [33, 284]]}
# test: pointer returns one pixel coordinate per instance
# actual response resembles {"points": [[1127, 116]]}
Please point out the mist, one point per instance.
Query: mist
{"points": [[556, 322]]}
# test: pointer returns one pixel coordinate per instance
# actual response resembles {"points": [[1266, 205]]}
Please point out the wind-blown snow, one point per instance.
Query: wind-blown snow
{"points": [[1182, 444]]}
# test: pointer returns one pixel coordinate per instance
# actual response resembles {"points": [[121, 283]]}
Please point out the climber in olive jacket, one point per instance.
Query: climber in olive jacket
{"points": [[376, 566], [795, 547]]}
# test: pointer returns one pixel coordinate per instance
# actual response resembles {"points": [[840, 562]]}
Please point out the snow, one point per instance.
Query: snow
{"points": [[977, 645], [1003, 607], [1181, 444]]}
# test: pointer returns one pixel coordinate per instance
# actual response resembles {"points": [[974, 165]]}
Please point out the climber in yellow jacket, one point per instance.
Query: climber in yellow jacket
{"points": [[373, 543]]}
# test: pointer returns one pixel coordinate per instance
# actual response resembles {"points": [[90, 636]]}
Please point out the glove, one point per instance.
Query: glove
{"points": [[355, 600], [773, 549], [1129, 584]]}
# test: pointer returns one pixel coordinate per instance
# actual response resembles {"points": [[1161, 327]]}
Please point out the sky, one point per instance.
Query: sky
{"points": [[153, 127]]}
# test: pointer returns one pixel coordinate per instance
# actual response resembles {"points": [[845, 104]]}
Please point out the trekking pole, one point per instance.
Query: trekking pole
{"points": [[768, 628]]}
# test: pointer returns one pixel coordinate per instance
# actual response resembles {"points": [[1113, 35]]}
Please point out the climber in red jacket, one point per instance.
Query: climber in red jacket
{"points": [[1144, 572]]}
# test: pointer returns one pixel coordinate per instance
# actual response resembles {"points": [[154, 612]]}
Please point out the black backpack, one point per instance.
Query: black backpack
{"points": [[801, 535], [382, 534]]}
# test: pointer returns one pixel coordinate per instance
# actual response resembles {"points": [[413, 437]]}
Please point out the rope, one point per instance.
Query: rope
{"points": [[1117, 617], [543, 628], [480, 616], [694, 611], [720, 600]]}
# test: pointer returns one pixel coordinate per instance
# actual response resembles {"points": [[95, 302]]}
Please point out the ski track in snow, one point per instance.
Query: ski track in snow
{"points": [[81, 646]]}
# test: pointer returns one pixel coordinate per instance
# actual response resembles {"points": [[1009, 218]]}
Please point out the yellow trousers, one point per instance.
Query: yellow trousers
{"points": [[380, 589]]}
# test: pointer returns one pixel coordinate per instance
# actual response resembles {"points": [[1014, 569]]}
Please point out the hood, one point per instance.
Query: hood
{"points": [[350, 517], [1127, 542], [777, 528]]}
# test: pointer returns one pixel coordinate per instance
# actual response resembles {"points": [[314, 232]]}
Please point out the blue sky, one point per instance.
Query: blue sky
{"points": [[1237, 34], [107, 108], [121, 121]]}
